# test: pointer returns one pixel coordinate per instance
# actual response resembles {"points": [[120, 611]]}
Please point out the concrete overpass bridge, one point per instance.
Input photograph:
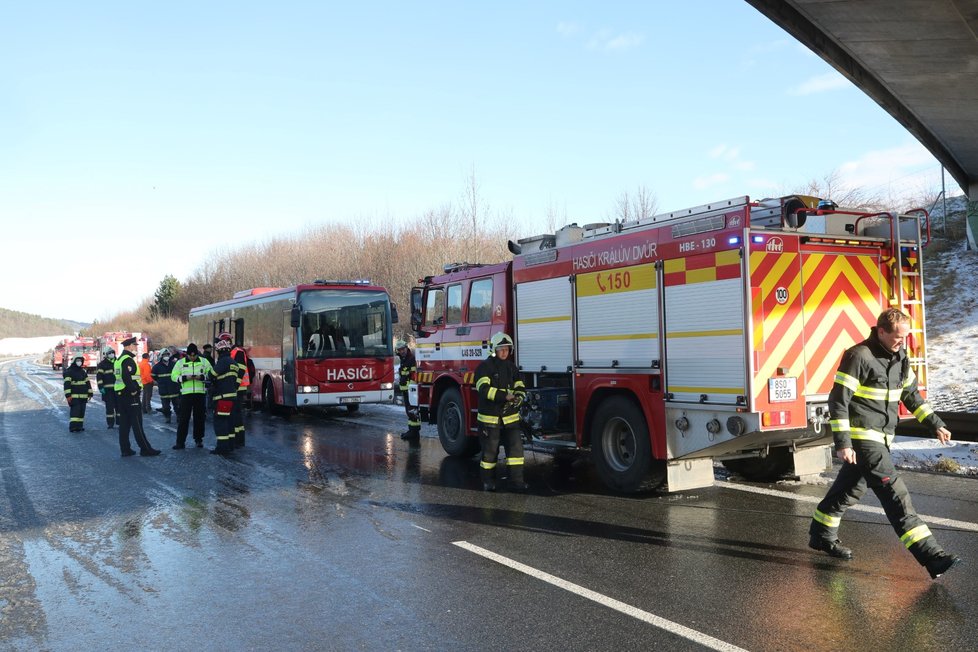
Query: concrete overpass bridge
{"points": [[917, 58]]}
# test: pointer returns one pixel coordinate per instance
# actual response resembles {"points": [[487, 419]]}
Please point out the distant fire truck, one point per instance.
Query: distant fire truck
{"points": [[114, 339], [84, 347], [665, 343], [322, 343], [58, 355]]}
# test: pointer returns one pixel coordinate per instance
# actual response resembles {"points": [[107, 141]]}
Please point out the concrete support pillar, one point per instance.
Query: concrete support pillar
{"points": [[971, 222]]}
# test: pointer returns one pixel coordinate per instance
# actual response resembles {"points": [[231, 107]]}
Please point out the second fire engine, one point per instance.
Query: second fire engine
{"points": [[663, 344]]}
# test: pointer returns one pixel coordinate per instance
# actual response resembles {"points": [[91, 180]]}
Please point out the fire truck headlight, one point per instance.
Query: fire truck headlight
{"points": [[308, 389], [387, 385]]}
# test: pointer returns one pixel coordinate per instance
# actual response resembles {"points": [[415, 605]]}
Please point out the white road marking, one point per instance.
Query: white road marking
{"points": [[933, 520], [421, 528], [650, 618]]}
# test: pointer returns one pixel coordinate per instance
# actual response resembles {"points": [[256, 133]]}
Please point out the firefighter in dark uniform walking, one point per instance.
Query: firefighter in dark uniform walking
{"points": [[224, 390], [501, 392], [871, 382], [78, 389], [105, 381], [240, 358], [408, 366], [128, 390]]}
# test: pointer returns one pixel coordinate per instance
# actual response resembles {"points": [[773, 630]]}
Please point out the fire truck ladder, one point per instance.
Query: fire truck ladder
{"points": [[907, 287]]}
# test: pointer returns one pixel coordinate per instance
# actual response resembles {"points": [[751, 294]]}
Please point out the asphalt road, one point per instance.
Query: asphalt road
{"points": [[327, 532]]}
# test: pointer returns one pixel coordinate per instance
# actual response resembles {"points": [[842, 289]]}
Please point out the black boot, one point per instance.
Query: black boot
{"points": [[413, 435], [833, 548], [941, 564], [516, 482], [488, 479]]}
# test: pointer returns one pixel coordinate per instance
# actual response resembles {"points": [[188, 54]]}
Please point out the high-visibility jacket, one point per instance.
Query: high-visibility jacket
{"points": [[869, 386], [105, 374], [408, 366], [240, 358], [127, 379], [76, 383], [495, 377], [191, 375]]}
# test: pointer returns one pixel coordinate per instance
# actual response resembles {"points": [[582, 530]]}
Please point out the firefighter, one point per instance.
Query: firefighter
{"points": [[169, 390], [501, 392], [872, 380], [128, 391], [105, 381], [240, 358], [408, 367], [224, 390], [78, 389], [191, 372]]}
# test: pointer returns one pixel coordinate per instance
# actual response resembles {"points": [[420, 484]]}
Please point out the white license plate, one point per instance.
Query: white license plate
{"points": [[349, 399], [782, 389]]}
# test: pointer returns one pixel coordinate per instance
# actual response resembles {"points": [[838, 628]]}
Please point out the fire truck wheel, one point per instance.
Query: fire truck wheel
{"points": [[762, 469], [268, 398], [621, 449], [451, 426]]}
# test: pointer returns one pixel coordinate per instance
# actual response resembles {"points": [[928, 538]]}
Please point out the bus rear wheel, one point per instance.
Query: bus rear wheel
{"points": [[268, 398]]}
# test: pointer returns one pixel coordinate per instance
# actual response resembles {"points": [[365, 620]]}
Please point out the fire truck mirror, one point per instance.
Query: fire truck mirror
{"points": [[416, 309], [393, 312], [295, 316], [793, 213]]}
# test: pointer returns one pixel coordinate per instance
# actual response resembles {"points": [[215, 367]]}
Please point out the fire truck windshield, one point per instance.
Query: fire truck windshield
{"points": [[344, 324]]}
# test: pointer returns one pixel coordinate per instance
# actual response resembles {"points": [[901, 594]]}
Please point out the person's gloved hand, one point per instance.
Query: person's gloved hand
{"points": [[68, 398]]}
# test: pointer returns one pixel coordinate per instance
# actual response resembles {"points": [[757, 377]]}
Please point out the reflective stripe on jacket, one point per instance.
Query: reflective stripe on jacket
{"points": [[191, 375], [493, 379]]}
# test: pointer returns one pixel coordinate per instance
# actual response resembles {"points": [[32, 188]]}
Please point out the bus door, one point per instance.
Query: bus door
{"points": [[288, 361]]}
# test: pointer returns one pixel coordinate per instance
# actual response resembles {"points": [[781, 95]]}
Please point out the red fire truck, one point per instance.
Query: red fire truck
{"points": [[114, 339], [58, 355], [322, 343], [666, 343], [84, 347]]}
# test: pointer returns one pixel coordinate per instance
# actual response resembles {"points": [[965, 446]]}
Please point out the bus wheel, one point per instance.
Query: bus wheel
{"points": [[352, 408], [452, 430], [762, 469], [268, 398], [621, 449]]}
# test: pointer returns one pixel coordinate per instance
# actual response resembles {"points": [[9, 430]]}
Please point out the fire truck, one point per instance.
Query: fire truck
{"points": [[114, 340], [58, 355], [666, 343], [326, 343], [84, 347]]}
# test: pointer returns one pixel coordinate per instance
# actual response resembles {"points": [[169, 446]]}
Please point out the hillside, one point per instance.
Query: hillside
{"points": [[22, 324]]}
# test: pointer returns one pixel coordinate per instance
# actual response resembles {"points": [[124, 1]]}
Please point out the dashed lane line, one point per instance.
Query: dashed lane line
{"points": [[627, 609], [932, 520]]}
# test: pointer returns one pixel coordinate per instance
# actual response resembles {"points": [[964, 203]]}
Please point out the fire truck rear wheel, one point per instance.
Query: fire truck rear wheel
{"points": [[451, 426], [621, 449], [762, 469]]}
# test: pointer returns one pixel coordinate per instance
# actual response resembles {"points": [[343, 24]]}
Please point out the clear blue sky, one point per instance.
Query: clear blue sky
{"points": [[136, 135]]}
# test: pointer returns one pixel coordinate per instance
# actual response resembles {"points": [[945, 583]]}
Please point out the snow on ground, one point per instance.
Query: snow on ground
{"points": [[931, 455], [29, 345]]}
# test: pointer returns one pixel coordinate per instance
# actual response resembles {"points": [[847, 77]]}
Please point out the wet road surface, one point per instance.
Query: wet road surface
{"points": [[327, 532]]}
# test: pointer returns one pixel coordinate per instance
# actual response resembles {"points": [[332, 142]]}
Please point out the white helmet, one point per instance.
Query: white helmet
{"points": [[498, 340]]}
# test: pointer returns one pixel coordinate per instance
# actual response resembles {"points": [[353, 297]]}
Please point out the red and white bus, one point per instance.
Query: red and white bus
{"points": [[317, 344]]}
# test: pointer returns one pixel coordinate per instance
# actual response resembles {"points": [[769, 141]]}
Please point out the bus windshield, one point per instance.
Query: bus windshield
{"points": [[344, 324]]}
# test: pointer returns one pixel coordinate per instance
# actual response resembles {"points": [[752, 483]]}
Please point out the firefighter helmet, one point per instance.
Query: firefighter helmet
{"points": [[224, 337], [109, 350], [223, 345], [498, 340], [400, 344]]}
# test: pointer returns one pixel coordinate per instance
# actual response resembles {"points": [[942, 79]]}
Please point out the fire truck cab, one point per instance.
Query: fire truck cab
{"points": [[663, 344]]}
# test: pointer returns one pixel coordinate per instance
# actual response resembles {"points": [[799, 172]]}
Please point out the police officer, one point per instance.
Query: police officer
{"points": [[240, 358], [224, 390], [191, 372], [78, 389], [169, 390], [501, 392], [128, 390], [873, 378], [408, 367], [105, 381]]}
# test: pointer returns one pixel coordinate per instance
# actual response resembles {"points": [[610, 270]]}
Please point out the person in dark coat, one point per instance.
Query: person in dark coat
{"points": [[128, 389], [224, 390], [78, 389], [501, 392], [105, 381], [169, 390]]}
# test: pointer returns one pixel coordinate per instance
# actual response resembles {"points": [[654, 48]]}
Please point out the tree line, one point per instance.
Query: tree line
{"points": [[21, 324]]}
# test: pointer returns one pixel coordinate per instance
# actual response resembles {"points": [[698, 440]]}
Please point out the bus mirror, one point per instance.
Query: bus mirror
{"points": [[416, 309], [294, 318], [393, 312]]}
